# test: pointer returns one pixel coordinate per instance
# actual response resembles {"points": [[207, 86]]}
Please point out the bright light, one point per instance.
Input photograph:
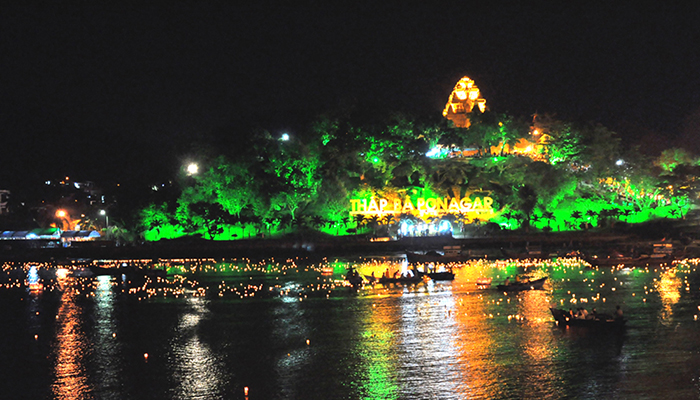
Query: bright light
{"points": [[619, 162], [192, 169], [103, 212], [434, 152], [61, 213], [285, 137]]}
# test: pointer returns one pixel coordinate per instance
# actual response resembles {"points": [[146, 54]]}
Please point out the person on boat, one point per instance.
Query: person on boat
{"points": [[618, 313], [571, 313], [517, 278], [584, 313], [507, 281], [593, 314]]}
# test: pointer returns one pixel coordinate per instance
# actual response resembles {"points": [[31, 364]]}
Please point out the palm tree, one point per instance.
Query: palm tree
{"points": [[452, 174], [549, 216], [317, 221], [576, 215], [373, 221], [591, 214]]}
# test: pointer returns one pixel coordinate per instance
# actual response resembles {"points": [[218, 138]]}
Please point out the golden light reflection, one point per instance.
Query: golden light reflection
{"points": [[669, 288], [475, 343], [70, 348], [537, 338]]}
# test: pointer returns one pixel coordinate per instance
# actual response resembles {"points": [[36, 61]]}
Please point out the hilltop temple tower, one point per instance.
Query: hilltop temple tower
{"points": [[462, 100]]}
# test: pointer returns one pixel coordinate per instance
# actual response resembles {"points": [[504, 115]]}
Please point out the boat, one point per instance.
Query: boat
{"points": [[403, 280], [449, 254], [435, 257], [598, 321], [483, 282], [354, 278], [436, 276], [519, 286], [441, 276]]}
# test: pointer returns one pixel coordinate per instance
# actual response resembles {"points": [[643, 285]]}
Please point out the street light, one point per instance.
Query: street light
{"points": [[104, 214], [192, 169], [62, 216]]}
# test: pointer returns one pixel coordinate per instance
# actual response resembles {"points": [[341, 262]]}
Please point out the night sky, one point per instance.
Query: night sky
{"points": [[117, 93]]}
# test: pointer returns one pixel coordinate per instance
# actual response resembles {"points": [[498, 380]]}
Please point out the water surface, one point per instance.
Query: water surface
{"points": [[286, 330]]}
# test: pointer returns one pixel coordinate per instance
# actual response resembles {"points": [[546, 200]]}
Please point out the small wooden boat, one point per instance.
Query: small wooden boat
{"points": [[403, 280], [437, 276], [353, 278], [604, 321], [483, 282], [441, 276], [435, 257], [519, 286]]}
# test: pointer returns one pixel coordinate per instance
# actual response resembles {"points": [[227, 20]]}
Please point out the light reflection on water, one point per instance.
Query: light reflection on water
{"points": [[196, 370], [70, 350], [447, 340]]}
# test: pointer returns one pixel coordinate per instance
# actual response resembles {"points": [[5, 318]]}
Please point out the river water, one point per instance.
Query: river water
{"points": [[291, 330]]}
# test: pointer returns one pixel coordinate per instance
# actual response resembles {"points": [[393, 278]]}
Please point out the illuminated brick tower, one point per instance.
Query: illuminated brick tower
{"points": [[462, 100]]}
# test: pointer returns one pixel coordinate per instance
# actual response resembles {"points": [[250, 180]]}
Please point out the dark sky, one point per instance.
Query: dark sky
{"points": [[114, 92]]}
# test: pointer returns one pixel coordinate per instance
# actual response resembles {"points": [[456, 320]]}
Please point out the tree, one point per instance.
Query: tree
{"points": [[526, 202], [672, 158], [157, 217], [452, 174], [549, 216], [590, 216], [208, 216]]}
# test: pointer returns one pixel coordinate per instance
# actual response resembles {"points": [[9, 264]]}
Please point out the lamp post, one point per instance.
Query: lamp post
{"points": [[104, 214], [192, 169], [62, 216]]}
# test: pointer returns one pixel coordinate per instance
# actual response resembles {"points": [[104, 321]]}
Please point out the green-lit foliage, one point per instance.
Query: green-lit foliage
{"points": [[671, 158], [271, 187]]}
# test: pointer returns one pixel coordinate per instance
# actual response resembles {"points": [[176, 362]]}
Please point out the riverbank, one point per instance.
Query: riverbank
{"points": [[496, 246]]}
